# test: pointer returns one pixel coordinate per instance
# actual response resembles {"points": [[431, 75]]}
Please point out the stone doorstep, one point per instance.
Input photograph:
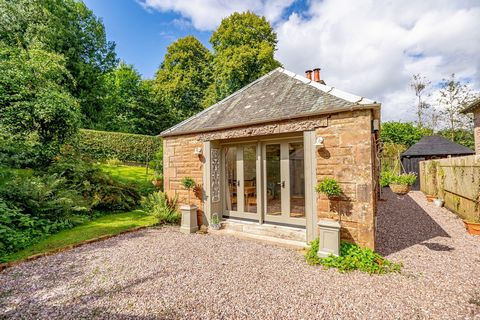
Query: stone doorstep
{"points": [[294, 237], [284, 243]]}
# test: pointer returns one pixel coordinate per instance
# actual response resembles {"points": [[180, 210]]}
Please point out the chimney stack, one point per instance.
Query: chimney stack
{"points": [[308, 74]]}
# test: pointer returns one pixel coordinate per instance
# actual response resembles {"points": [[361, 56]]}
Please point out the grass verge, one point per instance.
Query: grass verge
{"points": [[106, 225]]}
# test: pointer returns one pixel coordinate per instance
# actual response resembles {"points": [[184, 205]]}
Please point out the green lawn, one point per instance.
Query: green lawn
{"points": [[106, 225], [135, 176]]}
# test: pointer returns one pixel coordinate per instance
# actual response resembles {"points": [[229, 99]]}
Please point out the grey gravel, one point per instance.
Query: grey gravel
{"points": [[164, 274]]}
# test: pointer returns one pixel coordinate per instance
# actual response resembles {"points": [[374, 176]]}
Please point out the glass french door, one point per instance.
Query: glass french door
{"points": [[241, 181], [284, 182]]}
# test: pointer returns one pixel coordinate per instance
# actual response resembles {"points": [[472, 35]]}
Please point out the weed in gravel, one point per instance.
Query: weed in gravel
{"points": [[352, 257]]}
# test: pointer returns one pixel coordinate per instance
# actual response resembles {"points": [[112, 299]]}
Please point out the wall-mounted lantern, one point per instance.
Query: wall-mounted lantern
{"points": [[198, 151], [320, 142]]}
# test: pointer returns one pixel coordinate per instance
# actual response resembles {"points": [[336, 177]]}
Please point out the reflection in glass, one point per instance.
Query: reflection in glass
{"points": [[231, 178], [297, 180], [249, 178], [274, 192]]}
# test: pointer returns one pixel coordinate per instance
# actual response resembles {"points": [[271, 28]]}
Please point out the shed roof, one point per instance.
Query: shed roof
{"points": [[436, 146], [278, 95]]}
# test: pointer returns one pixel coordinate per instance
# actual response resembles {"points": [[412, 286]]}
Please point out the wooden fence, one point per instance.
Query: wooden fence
{"points": [[456, 180]]}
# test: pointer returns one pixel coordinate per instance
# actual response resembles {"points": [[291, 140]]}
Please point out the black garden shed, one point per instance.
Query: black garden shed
{"points": [[431, 147]]}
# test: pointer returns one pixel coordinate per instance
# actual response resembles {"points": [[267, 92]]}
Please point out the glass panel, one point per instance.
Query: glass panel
{"points": [[250, 178], [297, 180], [274, 192], [231, 178]]}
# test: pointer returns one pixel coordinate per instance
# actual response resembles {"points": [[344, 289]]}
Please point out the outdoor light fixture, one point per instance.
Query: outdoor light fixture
{"points": [[198, 151], [319, 142]]}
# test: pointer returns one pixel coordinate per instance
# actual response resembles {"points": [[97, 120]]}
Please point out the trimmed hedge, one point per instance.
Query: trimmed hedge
{"points": [[102, 145]]}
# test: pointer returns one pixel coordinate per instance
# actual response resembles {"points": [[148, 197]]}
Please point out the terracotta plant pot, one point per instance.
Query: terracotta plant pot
{"points": [[157, 183], [430, 197], [399, 188], [472, 227]]}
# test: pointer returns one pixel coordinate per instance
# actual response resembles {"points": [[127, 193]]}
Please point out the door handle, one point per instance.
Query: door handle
{"points": [[238, 183], [282, 184]]}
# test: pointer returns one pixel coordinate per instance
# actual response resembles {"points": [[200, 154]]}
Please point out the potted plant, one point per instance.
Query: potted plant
{"points": [[329, 187], [189, 211], [189, 184], [430, 197], [215, 222], [473, 225], [157, 179], [401, 184]]}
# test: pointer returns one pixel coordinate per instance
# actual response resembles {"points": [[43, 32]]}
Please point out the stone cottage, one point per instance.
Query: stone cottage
{"points": [[474, 108], [258, 154]]}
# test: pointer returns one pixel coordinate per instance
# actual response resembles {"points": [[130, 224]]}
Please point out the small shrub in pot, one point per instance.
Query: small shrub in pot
{"points": [[189, 184], [329, 187]]}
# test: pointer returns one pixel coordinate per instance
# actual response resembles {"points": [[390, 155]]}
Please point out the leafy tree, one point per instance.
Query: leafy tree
{"points": [[460, 136], [454, 96], [35, 109], [183, 77], [419, 84], [129, 105], [244, 45], [68, 28], [404, 133]]}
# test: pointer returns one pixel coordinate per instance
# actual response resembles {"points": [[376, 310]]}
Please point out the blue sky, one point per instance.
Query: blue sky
{"points": [[367, 47], [141, 36]]}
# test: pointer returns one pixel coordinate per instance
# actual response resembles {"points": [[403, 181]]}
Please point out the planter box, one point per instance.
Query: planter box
{"points": [[329, 238]]}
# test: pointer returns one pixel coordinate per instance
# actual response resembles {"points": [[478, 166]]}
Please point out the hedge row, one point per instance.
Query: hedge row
{"points": [[102, 145]]}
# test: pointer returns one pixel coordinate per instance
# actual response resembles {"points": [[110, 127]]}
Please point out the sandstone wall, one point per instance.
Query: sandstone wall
{"points": [[349, 157]]}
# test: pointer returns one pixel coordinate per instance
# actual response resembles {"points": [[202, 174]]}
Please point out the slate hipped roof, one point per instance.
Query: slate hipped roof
{"points": [[278, 95], [436, 146]]}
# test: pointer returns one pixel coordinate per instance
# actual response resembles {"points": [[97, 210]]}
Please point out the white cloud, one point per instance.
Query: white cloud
{"points": [[372, 48], [367, 47], [207, 14]]}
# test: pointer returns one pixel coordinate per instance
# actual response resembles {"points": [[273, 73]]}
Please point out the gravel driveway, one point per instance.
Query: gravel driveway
{"points": [[163, 274]]}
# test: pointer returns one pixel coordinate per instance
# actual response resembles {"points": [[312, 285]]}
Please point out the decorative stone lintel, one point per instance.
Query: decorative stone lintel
{"points": [[288, 126], [189, 219], [329, 238]]}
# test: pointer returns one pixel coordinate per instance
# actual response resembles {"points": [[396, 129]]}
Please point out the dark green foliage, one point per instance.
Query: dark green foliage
{"points": [[65, 194], [37, 114], [329, 187], [183, 78], [18, 230], [404, 133], [244, 45], [129, 104], [162, 207], [68, 29], [97, 187], [460, 136], [351, 258], [102, 145]]}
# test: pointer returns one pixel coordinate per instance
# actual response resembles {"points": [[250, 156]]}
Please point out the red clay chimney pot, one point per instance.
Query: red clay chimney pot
{"points": [[308, 74], [316, 74]]}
